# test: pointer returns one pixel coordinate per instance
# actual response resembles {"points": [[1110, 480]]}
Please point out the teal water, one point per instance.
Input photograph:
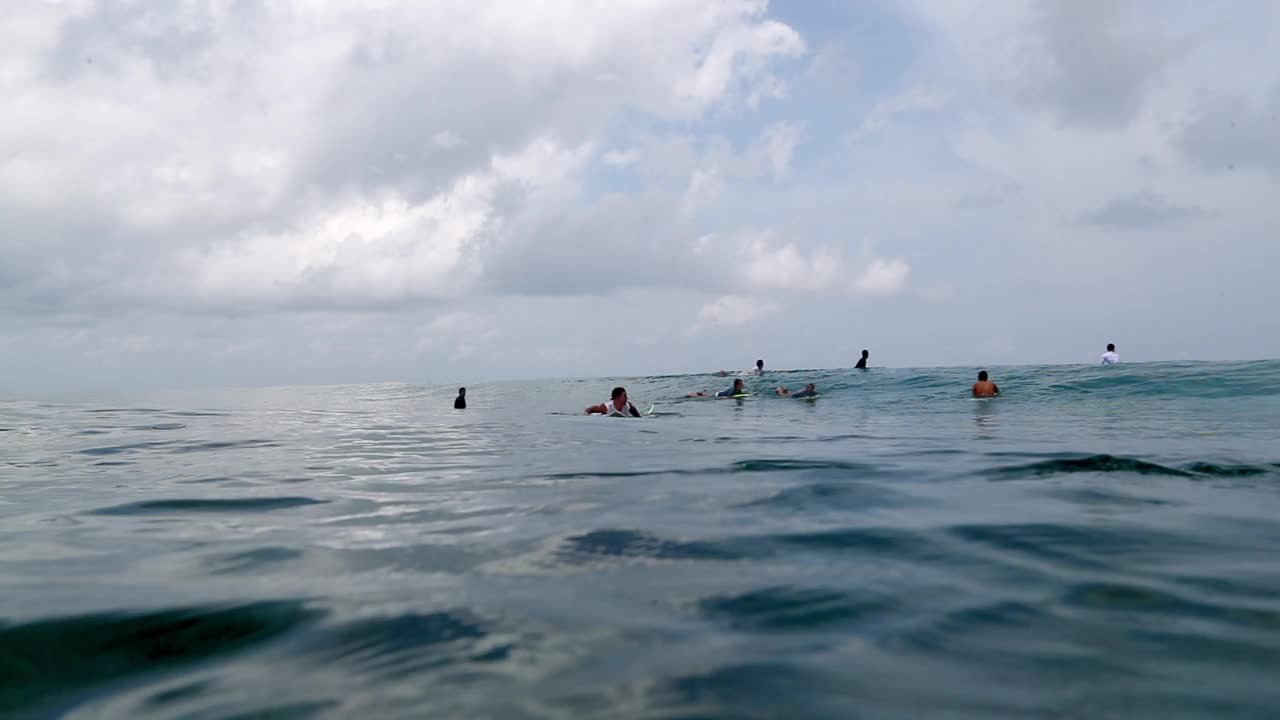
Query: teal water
{"points": [[1098, 543]]}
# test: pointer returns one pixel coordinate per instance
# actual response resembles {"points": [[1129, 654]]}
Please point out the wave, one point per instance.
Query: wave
{"points": [[58, 663], [216, 505], [791, 609], [1118, 464], [741, 466]]}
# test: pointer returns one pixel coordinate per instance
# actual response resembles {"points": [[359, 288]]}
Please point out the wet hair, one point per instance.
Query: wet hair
{"points": [[616, 392], [810, 386], [865, 353], [462, 391], [759, 363], [737, 383], [1111, 347], [982, 376]]}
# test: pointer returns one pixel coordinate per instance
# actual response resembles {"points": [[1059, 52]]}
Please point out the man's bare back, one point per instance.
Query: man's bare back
{"points": [[984, 388]]}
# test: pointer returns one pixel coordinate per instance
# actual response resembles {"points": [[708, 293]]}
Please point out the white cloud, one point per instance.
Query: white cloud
{"points": [[914, 100], [247, 179], [620, 158], [341, 175], [729, 311], [882, 277], [778, 145]]}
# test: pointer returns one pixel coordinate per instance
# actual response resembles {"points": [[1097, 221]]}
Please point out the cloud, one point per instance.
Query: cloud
{"points": [[350, 191], [914, 100], [883, 277], [1091, 63], [729, 311], [358, 171], [1230, 132], [1143, 211], [620, 158]]}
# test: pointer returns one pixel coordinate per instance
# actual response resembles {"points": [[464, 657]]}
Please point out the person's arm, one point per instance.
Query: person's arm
{"points": [[596, 409], [634, 411]]}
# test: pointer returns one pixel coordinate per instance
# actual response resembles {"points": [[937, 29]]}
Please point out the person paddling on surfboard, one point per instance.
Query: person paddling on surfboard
{"points": [[738, 389], [617, 405], [808, 391]]}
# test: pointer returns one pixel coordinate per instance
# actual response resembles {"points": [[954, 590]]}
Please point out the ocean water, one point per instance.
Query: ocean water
{"points": [[1100, 542]]}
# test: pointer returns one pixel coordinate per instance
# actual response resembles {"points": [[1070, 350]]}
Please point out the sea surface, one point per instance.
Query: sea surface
{"points": [[1099, 542]]}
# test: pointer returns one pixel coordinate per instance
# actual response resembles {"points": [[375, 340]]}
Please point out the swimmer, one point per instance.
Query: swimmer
{"points": [[461, 402], [738, 388], [757, 370], [862, 363], [1110, 357], [984, 388], [618, 403], [808, 391]]}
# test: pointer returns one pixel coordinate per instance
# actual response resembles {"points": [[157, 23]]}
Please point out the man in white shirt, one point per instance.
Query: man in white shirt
{"points": [[1110, 357]]}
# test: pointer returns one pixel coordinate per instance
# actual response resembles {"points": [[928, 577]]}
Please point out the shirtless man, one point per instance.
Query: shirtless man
{"points": [[984, 388], [618, 403], [808, 391]]}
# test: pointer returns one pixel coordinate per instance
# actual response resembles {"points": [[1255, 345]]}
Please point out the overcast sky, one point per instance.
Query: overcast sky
{"points": [[271, 192]]}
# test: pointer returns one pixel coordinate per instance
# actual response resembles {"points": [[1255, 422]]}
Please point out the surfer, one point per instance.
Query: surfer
{"points": [[862, 363], [808, 391], [984, 388], [1110, 357], [460, 403], [618, 403], [739, 388], [757, 370]]}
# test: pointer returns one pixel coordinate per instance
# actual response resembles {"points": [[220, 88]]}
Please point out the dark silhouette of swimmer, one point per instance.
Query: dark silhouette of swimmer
{"points": [[808, 391], [738, 388], [862, 363], [461, 402], [984, 388]]}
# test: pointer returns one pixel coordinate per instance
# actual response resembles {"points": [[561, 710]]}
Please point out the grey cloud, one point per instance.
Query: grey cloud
{"points": [[1090, 62], [1231, 133], [204, 133], [112, 34], [1143, 211]]}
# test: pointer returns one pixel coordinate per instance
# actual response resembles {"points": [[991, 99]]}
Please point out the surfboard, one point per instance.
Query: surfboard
{"points": [[615, 413]]}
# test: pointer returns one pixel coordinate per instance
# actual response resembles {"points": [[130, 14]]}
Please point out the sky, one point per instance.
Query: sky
{"points": [[240, 192]]}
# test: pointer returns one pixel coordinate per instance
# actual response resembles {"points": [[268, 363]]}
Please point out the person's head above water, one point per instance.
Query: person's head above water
{"points": [[1111, 347], [759, 364], [618, 393], [462, 391], [982, 376], [738, 385], [865, 354]]}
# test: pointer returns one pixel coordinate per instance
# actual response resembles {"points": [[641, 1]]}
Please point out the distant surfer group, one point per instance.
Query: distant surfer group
{"points": [[620, 404]]}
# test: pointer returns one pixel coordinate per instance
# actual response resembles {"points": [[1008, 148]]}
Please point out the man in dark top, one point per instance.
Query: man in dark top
{"points": [[739, 388], [461, 402], [862, 364]]}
